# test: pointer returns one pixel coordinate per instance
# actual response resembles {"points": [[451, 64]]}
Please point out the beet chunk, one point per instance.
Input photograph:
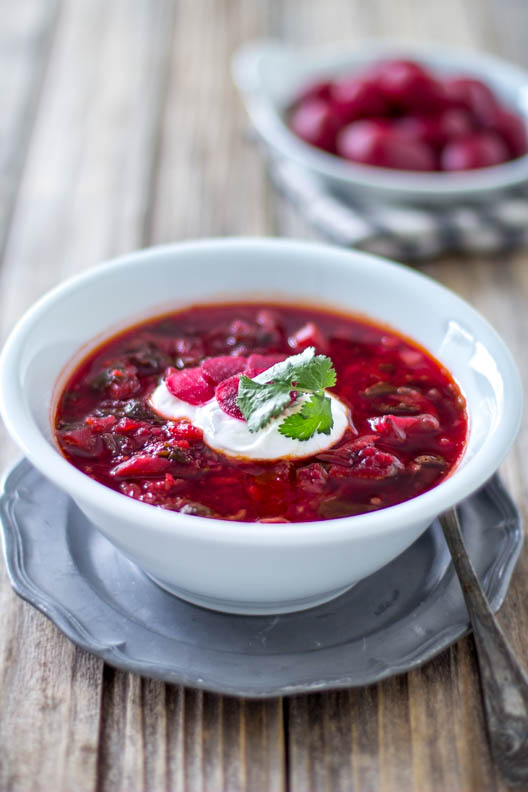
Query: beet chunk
{"points": [[218, 369], [361, 459], [436, 129], [399, 426], [119, 381], [306, 336], [81, 441], [141, 465], [512, 129], [357, 97], [314, 122], [473, 95], [256, 363], [408, 86], [189, 385], [226, 395], [476, 151], [312, 478], [376, 143], [371, 463]]}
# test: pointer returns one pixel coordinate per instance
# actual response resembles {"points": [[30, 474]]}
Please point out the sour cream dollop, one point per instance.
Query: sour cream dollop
{"points": [[231, 436]]}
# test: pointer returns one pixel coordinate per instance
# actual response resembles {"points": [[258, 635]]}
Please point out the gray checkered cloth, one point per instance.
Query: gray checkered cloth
{"points": [[404, 232]]}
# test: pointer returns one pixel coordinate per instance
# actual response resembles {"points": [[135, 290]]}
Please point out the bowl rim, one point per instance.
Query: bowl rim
{"points": [[247, 63], [48, 459]]}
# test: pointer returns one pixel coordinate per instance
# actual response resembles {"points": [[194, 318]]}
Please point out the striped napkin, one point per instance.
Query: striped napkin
{"points": [[406, 233]]}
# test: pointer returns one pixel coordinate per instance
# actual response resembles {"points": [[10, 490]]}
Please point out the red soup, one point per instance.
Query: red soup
{"points": [[262, 413]]}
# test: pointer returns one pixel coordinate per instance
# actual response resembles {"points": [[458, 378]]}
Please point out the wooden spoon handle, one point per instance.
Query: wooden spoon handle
{"points": [[503, 681]]}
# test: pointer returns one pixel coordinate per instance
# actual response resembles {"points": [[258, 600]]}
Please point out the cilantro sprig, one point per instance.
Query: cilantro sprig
{"points": [[270, 393]]}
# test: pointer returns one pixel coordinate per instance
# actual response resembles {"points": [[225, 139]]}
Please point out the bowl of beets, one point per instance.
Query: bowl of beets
{"points": [[389, 122]]}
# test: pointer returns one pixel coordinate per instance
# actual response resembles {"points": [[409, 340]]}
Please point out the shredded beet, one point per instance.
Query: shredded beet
{"points": [[140, 465]]}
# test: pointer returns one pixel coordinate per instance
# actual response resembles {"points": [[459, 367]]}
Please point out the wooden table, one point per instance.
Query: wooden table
{"points": [[120, 128]]}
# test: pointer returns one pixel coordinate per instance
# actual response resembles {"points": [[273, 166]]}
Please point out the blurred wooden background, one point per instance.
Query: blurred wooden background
{"points": [[120, 128]]}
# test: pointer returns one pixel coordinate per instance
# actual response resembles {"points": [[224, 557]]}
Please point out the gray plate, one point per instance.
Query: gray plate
{"points": [[389, 623]]}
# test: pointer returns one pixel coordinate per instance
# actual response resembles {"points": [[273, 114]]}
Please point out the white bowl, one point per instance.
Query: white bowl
{"points": [[270, 75], [235, 566]]}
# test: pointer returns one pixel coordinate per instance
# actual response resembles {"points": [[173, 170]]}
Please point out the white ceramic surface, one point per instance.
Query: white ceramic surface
{"points": [[257, 568], [270, 75]]}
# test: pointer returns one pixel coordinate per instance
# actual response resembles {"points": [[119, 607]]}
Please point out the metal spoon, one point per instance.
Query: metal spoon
{"points": [[504, 683]]}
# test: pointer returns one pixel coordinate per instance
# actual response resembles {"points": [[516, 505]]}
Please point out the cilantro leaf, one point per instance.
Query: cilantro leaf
{"points": [[320, 374], [314, 416], [288, 370], [259, 403], [267, 395]]}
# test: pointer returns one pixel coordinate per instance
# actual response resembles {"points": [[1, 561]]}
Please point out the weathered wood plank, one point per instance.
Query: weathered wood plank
{"points": [[49, 703], [395, 744], [263, 746], [434, 709], [84, 195], [26, 35], [210, 177]]}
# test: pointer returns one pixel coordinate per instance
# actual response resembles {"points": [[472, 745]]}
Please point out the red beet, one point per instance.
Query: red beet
{"points": [[183, 430], [189, 385], [408, 86], [413, 127], [407, 156], [306, 336], [512, 128], [258, 363], [141, 465], [226, 395], [372, 463], [218, 369], [315, 122], [101, 423], [453, 123], [374, 143], [312, 478], [357, 97], [81, 441], [399, 426], [361, 141], [473, 95], [436, 129], [128, 425], [365, 462], [476, 151]]}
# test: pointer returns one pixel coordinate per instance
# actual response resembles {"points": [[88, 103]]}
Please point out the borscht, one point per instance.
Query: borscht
{"points": [[262, 413]]}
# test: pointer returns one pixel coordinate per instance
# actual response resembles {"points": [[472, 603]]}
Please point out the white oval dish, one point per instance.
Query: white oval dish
{"points": [[241, 567], [269, 76]]}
